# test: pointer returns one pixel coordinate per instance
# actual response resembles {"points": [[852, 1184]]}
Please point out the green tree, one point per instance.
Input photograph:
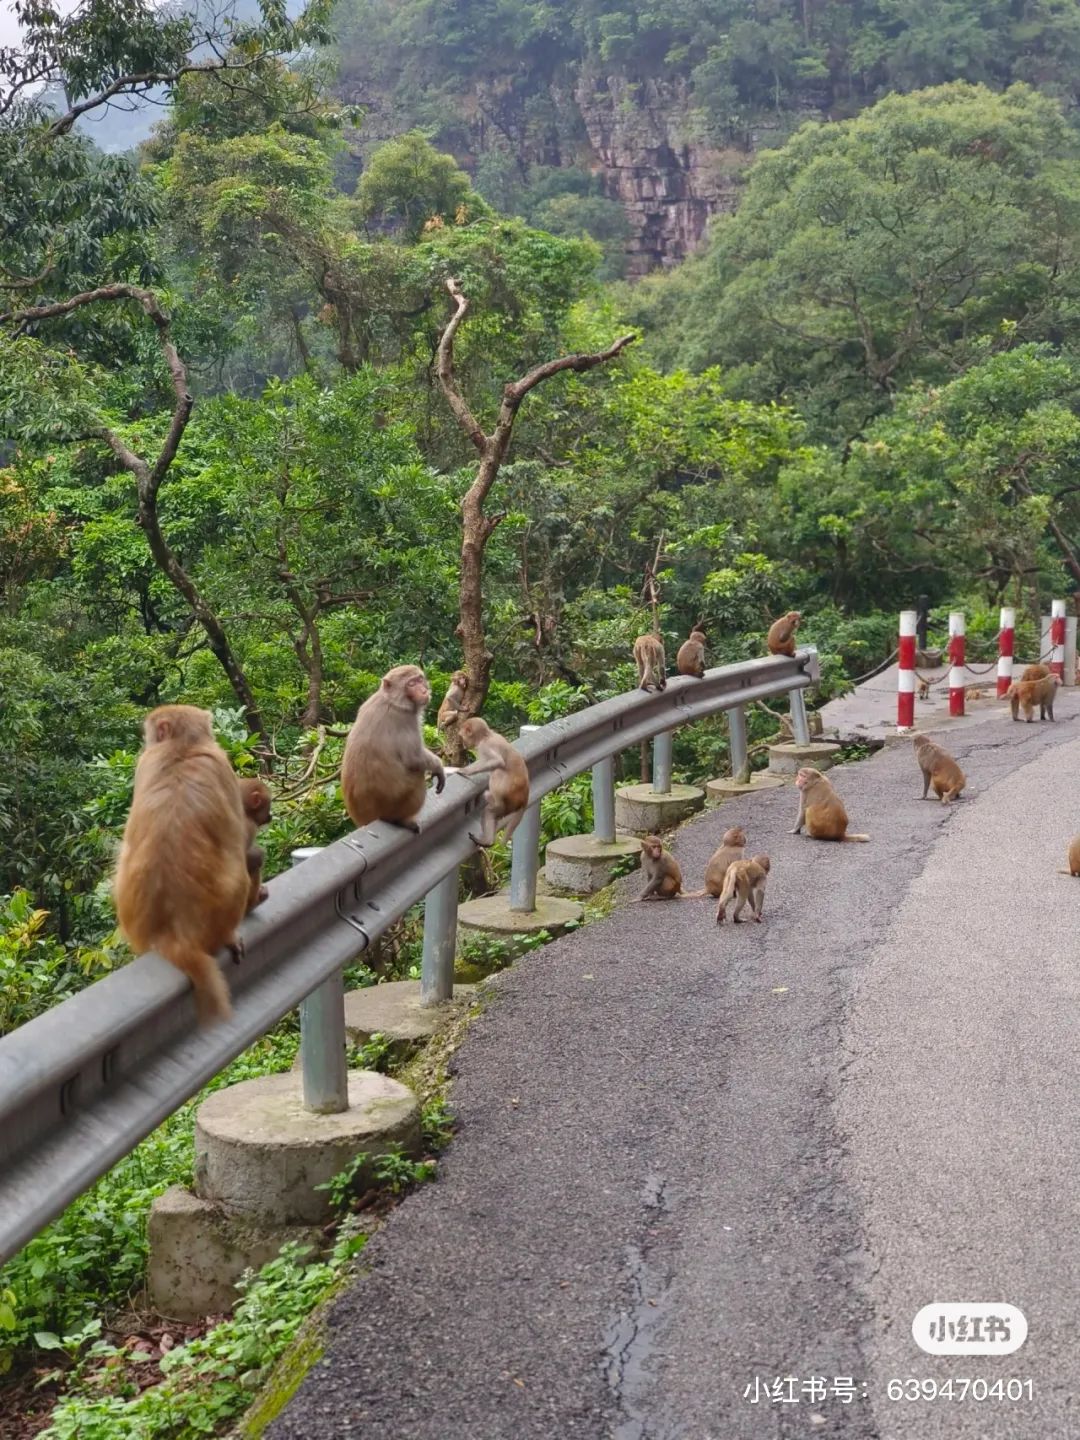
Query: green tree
{"points": [[870, 253], [408, 184]]}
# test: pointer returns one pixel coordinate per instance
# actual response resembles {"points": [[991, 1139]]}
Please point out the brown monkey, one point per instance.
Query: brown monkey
{"points": [[691, 657], [508, 788], [1029, 693], [256, 801], [385, 766], [663, 878], [781, 637], [182, 881], [1074, 857], [450, 709], [745, 881], [820, 809], [651, 662], [734, 844], [924, 689], [939, 769], [1036, 672]]}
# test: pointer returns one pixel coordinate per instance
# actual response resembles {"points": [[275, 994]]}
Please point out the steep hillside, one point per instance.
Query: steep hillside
{"points": [[558, 107]]}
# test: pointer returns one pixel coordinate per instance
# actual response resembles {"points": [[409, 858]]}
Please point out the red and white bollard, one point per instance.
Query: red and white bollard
{"points": [[1057, 638], [1006, 640], [956, 662], [905, 674]]}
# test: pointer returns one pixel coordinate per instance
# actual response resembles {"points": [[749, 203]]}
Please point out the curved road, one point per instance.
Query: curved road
{"points": [[692, 1162]]}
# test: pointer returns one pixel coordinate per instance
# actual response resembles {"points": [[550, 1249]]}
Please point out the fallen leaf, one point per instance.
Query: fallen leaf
{"points": [[780, 990]]}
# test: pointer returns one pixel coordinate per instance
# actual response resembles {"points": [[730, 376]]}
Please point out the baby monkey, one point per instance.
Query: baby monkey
{"points": [[508, 788], [939, 769], [256, 799], [745, 882], [663, 878]]}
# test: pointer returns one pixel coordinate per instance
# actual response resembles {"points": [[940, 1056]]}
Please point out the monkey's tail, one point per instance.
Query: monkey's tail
{"points": [[856, 837], [211, 992]]}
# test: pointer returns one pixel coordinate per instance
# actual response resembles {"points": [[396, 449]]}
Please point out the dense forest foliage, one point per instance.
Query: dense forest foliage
{"points": [[233, 461]]}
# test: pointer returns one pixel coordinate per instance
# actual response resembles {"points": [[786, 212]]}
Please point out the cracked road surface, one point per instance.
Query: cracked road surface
{"points": [[690, 1159]]}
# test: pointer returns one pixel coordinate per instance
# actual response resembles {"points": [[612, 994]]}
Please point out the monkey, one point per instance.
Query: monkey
{"points": [[924, 689], [385, 766], [820, 809], [938, 768], [508, 788], [1036, 672], [732, 848], [450, 709], [181, 885], [745, 881], [690, 659], [781, 637], [651, 662], [663, 878], [1029, 693], [256, 800], [1074, 857]]}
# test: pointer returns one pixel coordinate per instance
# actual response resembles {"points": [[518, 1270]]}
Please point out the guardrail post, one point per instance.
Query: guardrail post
{"points": [[740, 753], [905, 670], [1057, 638], [603, 800], [799, 724], [661, 762], [322, 1036], [525, 853], [440, 941]]}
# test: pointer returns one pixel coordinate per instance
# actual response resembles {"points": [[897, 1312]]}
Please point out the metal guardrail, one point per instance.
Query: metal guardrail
{"points": [[82, 1084]]}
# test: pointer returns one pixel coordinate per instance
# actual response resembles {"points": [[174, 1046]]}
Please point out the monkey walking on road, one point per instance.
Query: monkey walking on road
{"points": [[385, 766], [745, 882], [1029, 693], [182, 881], [939, 769], [820, 809]]}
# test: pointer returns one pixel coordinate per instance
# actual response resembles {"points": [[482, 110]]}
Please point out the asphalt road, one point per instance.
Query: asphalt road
{"points": [[691, 1162]]}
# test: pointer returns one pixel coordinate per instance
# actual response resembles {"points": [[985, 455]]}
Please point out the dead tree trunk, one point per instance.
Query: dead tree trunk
{"points": [[148, 477], [477, 526]]}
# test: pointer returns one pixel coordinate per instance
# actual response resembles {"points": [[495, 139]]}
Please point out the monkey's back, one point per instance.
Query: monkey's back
{"points": [[827, 819], [717, 868], [182, 868]]}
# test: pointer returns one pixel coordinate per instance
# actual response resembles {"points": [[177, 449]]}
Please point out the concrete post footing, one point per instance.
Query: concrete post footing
{"points": [[641, 811], [582, 864], [787, 760]]}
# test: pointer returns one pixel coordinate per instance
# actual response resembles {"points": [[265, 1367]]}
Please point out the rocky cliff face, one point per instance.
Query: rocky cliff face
{"points": [[669, 183]]}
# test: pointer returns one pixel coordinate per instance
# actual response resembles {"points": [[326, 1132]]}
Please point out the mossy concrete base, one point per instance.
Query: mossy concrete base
{"points": [[787, 760], [198, 1252], [641, 811], [393, 1010], [582, 864], [725, 788], [491, 915], [260, 1154]]}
